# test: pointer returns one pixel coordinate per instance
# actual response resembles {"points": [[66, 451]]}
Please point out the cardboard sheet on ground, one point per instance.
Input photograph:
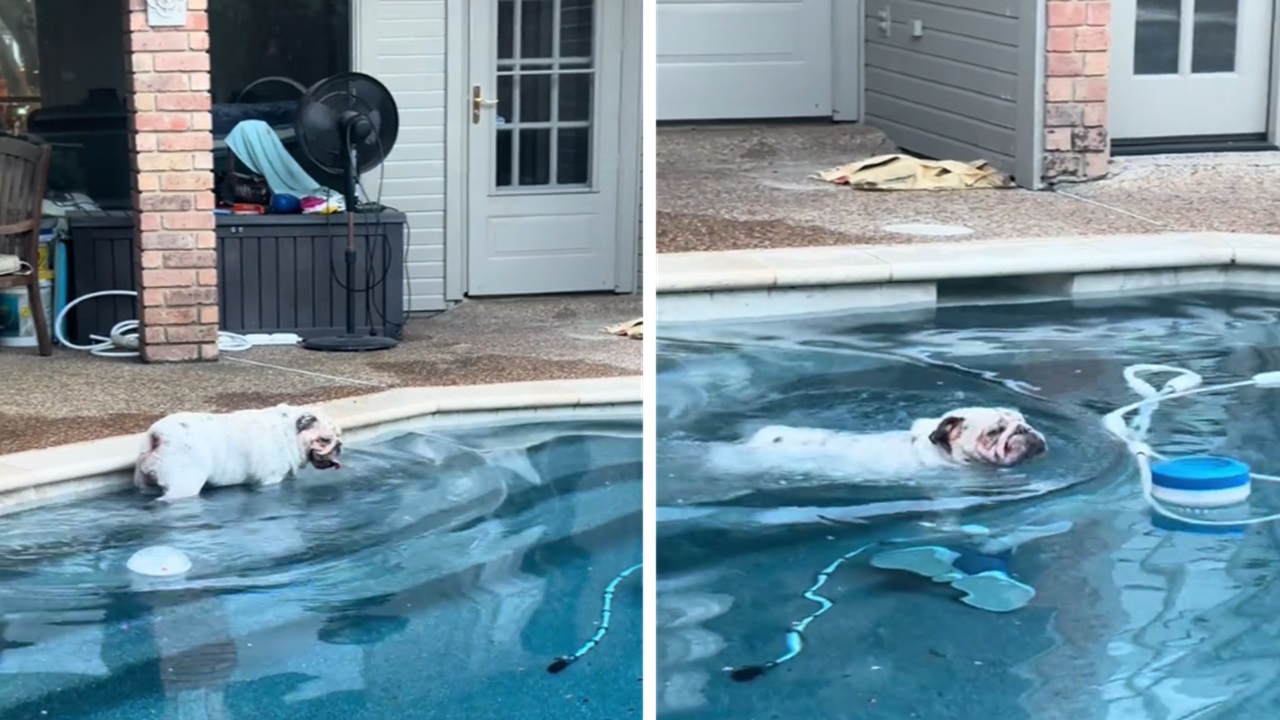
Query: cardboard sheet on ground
{"points": [[903, 172]]}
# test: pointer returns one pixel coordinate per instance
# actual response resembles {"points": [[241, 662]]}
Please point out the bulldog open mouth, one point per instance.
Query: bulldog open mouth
{"points": [[323, 460]]}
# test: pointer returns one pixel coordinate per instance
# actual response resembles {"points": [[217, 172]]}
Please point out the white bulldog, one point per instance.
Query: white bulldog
{"points": [[184, 452], [999, 437]]}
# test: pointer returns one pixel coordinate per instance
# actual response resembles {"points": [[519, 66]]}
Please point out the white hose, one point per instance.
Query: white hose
{"points": [[123, 339], [1183, 383]]}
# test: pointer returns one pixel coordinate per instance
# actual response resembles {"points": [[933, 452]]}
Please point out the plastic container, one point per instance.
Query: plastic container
{"points": [[17, 328], [44, 255], [1203, 481]]}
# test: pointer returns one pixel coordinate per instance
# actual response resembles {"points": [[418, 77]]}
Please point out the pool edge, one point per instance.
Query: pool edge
{"points": [[35, 477], [783, 281]]}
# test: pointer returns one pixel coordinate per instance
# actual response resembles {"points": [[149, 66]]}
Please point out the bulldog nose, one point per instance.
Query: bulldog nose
{"points": [[1035, 443]]}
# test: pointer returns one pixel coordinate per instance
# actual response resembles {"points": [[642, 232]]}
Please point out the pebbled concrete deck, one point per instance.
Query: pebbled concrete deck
{"points": [[74, 397], [748, 187]]}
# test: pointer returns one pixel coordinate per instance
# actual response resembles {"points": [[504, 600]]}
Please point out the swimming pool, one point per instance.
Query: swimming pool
{"points": [[1128, 621], [436, 575]]}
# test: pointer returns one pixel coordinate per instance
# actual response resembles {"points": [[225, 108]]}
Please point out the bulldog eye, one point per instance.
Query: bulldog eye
{"points": [[995, 431]]}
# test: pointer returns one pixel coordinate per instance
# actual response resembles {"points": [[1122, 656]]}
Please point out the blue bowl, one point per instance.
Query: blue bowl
{"points": [[284, 204]]}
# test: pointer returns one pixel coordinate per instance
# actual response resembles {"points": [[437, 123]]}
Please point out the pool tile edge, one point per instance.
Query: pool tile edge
{"points": [[922, 262], [36, 476]]}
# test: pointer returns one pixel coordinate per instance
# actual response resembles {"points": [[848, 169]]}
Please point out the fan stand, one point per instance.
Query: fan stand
{"points": [[350, 341]]}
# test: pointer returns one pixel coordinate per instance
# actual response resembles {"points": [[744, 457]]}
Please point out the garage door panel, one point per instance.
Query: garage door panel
{"points": [[744, 59], [727, 30]]}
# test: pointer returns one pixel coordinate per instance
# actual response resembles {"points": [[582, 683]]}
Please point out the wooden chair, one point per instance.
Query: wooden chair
{"points": [[24, 174]]}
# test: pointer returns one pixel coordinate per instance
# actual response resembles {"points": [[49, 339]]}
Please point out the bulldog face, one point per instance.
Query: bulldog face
{"points": [[319, 438], [991, 436]]}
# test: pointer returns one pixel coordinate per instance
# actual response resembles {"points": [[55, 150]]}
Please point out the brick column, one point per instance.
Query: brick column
{"points": [[172, 145], [1078, 43]]}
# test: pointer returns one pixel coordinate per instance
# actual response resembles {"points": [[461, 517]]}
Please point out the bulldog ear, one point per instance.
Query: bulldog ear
{"points": [[941, 435], [306, 421]]}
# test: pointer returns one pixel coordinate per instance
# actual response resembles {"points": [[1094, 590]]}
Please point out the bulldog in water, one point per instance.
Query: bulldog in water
{"points": [[998, 437], [184, 452]]}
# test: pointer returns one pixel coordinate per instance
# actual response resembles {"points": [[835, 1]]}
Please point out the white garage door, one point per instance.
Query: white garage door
{"points": [[744, 59]]}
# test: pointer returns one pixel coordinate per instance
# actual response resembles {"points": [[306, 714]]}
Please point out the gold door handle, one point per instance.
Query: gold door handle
{"points": [[478, 103]]}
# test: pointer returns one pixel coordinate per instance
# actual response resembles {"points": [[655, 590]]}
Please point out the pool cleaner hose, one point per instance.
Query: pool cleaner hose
{"points": [[1191, 482], [606, 614], [123, 339]]}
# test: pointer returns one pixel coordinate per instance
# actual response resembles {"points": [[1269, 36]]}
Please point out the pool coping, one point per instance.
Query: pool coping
{"points": [[34, 477], [806, 267]]}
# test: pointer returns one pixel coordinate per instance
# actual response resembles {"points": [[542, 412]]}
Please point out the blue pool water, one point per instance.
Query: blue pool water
{"points": [[436, 575], [1128, 621]]}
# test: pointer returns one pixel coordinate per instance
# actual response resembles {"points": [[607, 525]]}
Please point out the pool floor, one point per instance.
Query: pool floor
{"points": [[1128, 621], [437, 575]]}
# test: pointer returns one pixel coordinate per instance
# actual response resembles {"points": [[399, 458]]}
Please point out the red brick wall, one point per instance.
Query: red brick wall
{"points": [[173, 185], [1078, 45]]}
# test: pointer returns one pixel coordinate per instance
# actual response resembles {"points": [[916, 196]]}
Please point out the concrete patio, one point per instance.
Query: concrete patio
{"points": [[74, 396], [740, 187]]}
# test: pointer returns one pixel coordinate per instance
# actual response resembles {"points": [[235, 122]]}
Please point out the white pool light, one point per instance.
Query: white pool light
{"points": [[159, 561]]}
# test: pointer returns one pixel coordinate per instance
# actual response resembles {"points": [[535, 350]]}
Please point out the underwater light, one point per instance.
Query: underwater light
{"points": [[159, 561], [1186, 490]]}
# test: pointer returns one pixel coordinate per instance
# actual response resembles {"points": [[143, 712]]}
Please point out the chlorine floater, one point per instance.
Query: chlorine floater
{"points": [[1185, 489]]}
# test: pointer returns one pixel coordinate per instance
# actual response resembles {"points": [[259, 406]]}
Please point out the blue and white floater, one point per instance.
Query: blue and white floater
{"points": [[1195, 484]]}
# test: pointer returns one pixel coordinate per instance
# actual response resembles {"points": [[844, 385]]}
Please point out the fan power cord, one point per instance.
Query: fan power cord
{"points": [[122, 341]]}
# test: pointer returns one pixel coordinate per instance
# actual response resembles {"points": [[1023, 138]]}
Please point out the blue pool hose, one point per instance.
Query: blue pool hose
{"points": [[795, 636], [606, 613]]}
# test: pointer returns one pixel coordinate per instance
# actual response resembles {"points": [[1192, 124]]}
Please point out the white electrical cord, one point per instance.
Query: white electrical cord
{"points": [[123, 339], [1183, 383]]}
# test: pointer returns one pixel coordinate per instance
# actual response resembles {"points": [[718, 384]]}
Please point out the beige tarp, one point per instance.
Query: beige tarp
{"points": [[633, 329], [903, 172]]}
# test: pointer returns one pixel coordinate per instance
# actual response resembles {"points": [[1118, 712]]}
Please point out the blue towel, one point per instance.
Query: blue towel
{"points": [[256, 144]]}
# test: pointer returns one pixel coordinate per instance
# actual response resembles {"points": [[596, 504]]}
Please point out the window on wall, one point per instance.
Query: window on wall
{"points": [[302, 40], [19, 63], [75, 74], [261, 53]]}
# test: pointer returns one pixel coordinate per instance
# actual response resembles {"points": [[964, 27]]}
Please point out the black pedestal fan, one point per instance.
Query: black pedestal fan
{"points": [[347, 124]]}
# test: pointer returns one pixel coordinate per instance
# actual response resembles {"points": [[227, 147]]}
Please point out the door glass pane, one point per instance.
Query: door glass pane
{"points": [[577, 28], [545, 91], [1156, 37], [1213, 49], [535, 156], [506, 29], [574, 161], [537, 28], [535, 97]]}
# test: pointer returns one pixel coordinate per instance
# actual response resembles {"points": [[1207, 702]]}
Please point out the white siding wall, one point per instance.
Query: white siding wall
{"points": [[402, 43]]}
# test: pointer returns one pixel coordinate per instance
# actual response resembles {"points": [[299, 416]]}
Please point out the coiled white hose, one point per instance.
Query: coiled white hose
{"points": [[1183, 383], [123, 339]]}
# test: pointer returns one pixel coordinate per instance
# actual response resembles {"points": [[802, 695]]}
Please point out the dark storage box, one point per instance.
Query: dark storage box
{"points": [[276, 273]]}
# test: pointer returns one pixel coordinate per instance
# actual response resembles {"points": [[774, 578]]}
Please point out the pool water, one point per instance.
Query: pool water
{"points": [[436, 575], [1128, 621]]}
